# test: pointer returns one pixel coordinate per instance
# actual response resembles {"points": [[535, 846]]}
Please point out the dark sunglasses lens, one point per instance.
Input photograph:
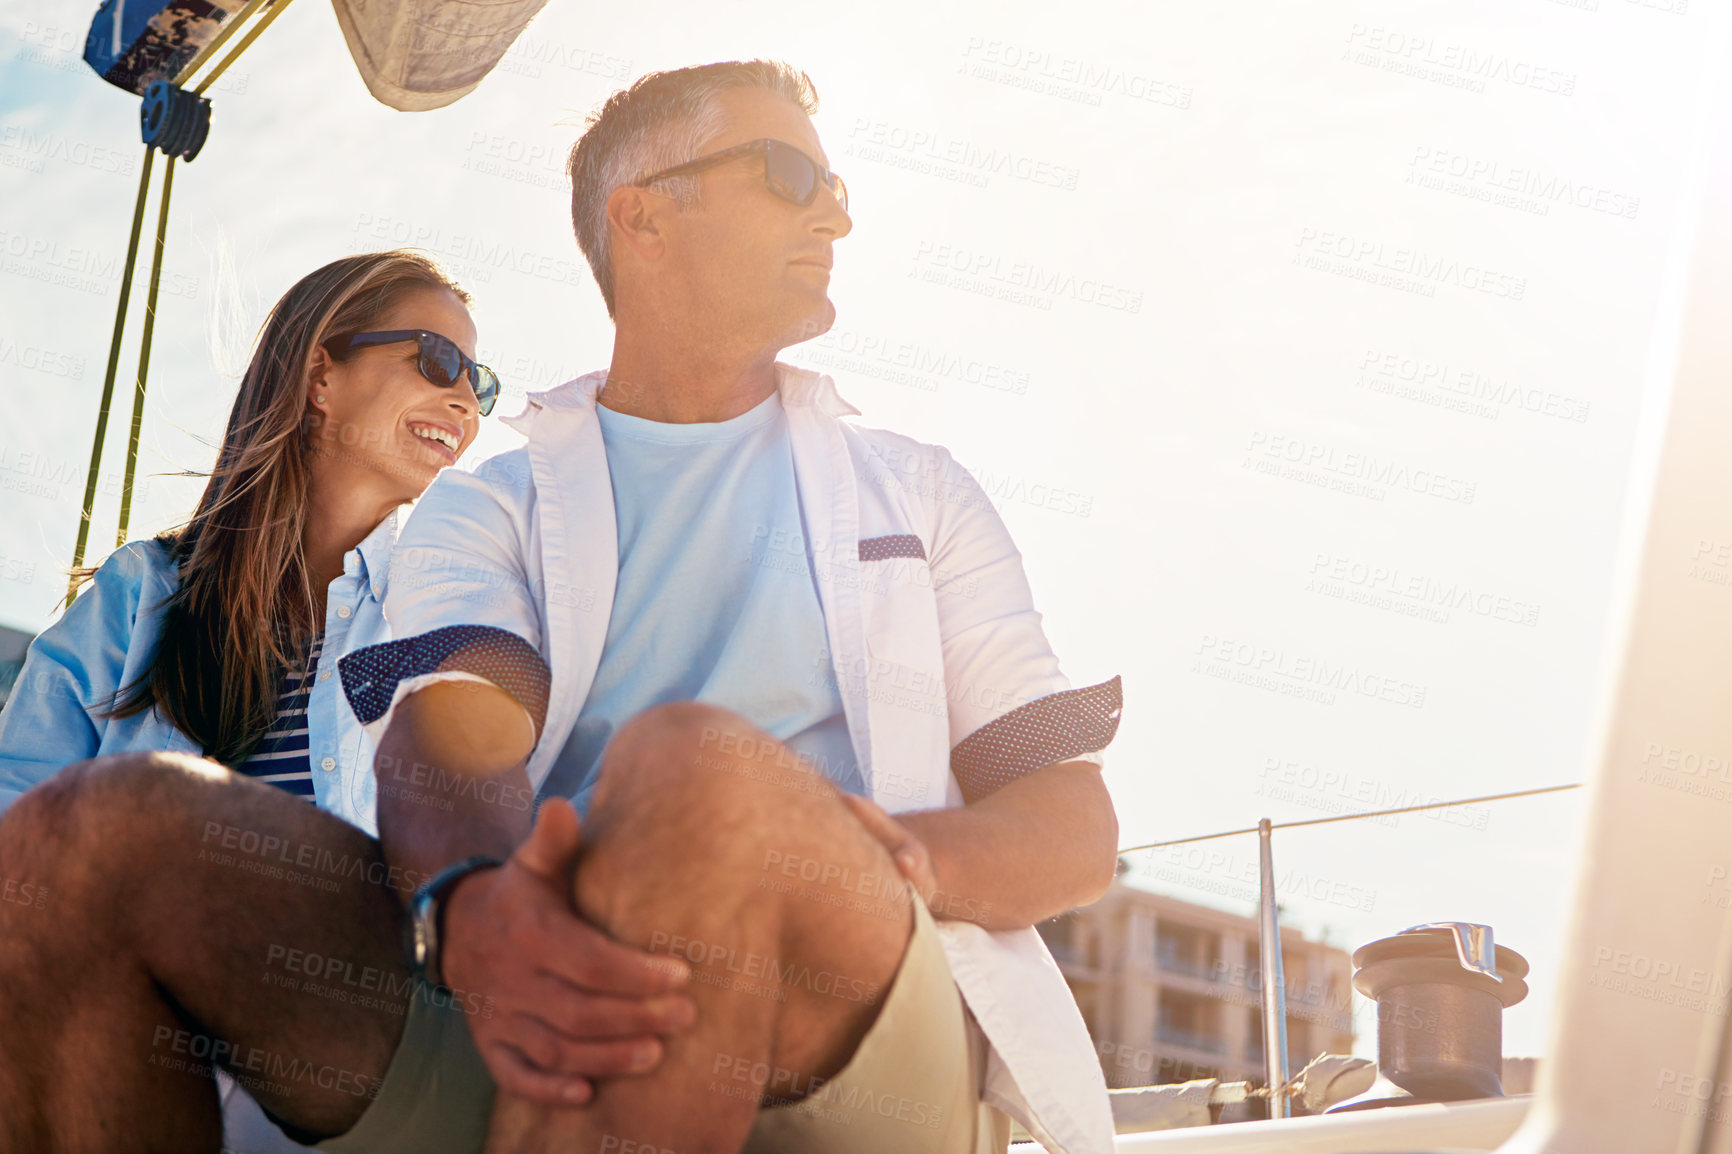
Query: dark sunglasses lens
{"points": [[441, 361], [791, 175], [444, 364], [486, 388]]}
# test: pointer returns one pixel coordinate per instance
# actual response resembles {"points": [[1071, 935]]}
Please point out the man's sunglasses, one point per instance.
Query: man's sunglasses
{"points": [[441, 361], [788, 172]]}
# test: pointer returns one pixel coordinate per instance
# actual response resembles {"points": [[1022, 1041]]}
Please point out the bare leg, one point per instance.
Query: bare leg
{"points": [[181, 914], [700, 842]]}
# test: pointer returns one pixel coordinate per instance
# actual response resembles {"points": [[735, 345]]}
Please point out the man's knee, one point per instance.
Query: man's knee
{"points": [[697, 783], [688, 750], [677, 733]]}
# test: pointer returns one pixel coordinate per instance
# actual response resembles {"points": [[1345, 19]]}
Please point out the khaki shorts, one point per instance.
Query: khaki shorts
{"points": [[912, 1086], [437, 1096]]}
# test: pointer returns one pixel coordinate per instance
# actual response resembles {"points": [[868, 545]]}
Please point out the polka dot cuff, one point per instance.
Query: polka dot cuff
{"points": [[371, 676], [1057, 727]]}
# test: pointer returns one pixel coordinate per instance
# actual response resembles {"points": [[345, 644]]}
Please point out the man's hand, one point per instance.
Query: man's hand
{"points": [[909, 852], [571, 1004]]}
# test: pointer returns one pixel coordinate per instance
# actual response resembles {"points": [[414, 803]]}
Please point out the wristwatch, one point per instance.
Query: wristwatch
{"points": [[421, 932]]}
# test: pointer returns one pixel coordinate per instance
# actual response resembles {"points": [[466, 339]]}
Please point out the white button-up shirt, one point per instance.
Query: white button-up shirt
{"points": [[947, 681]]}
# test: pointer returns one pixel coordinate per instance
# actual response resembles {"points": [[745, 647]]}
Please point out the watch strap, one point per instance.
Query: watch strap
{"points": [[426, 925]]}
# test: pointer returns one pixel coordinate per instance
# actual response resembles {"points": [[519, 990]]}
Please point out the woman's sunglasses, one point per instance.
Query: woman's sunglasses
{"points": [[441, 361], [788, 172]]}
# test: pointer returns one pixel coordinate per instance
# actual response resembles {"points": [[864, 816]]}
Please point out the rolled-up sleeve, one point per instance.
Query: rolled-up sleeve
{"points": [[460, 604], [71, 675], [1011, 709]]}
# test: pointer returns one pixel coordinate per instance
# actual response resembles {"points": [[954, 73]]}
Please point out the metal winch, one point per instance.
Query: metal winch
{"points": [[1441, 990]]}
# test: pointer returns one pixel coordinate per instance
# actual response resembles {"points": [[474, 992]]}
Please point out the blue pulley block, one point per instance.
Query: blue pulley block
{"points": [[173, 120]]}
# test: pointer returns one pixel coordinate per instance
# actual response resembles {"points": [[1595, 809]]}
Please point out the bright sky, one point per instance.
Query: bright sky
{"points": [[1300, 346]]}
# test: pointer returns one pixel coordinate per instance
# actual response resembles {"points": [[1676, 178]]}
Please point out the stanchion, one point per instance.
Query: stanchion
{"points": [[1274, 987]]}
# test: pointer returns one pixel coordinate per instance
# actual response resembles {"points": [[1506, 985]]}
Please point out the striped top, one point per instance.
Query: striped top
{"points": [[282, 758]]}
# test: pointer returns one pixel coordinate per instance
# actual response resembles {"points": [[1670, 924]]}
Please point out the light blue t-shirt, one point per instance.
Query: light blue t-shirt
{"points": [[715, 601]]}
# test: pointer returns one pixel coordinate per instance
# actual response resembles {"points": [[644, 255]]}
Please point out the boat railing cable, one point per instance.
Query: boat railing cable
{"points": [[1353, 816]]}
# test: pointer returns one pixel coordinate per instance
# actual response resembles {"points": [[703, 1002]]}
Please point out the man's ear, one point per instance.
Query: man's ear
{"points": [[636, 216]]}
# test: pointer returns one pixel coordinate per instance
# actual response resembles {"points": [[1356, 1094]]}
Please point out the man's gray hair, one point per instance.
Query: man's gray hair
{"points": [[659, 122]]}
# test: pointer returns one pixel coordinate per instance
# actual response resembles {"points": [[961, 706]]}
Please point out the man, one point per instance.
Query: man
{"points": [[696, 524], [724, 623]]}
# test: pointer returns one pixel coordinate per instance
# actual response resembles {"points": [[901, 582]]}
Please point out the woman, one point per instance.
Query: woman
{"points": [[221, 637]]}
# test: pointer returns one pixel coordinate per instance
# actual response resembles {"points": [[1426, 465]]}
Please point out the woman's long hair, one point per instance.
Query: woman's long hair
{"points": [[245, 609]]}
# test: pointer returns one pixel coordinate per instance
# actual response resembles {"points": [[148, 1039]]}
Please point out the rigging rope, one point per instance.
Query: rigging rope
{"points": [[113, 367], [144, 354], [274, 9]]}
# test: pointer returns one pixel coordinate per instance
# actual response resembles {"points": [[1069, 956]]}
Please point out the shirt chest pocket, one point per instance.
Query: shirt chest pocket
{"points": [[901, 620]]}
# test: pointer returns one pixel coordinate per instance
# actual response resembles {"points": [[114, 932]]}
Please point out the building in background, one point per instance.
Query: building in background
{"points": [[1171, 990]]}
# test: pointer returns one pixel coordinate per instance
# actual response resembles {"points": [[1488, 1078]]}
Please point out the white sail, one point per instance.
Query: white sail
{"points": [[424, 54]]}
